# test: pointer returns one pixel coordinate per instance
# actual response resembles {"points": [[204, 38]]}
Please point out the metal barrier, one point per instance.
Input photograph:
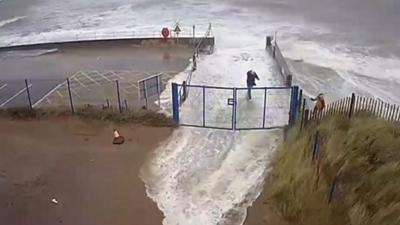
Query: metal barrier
{"points": [[228, 107], [280, 60], [150, 87]]}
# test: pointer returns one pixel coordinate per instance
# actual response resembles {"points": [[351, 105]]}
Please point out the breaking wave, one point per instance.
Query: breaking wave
{"points": [[27, 53], [4, 23]]}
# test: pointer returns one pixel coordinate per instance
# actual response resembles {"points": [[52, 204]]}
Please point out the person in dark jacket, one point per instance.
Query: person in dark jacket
{"points": [[251, 81]]}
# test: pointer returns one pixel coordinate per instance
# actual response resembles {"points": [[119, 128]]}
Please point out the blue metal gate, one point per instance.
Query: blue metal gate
{"points": [[228, 108]]}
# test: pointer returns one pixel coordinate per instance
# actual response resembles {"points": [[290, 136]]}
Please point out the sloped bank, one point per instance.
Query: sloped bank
{"points": [[351, 176]]}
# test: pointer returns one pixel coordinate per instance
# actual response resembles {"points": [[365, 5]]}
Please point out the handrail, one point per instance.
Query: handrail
{"points": [[208, 32], [196, 49]]}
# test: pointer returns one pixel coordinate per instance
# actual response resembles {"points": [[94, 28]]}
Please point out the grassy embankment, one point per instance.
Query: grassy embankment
{"points": [[364, 153], [145, 117]]}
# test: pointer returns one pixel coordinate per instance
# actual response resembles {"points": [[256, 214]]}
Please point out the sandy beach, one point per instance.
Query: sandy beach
{"points": [[74, 162], [262, 212]]}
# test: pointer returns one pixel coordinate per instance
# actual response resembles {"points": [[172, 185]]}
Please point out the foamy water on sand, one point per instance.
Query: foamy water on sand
{"points": [[208, 177], [203, 176]]}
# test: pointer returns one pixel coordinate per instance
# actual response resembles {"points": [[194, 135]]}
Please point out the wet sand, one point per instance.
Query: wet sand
{"points": [[93, 181]]}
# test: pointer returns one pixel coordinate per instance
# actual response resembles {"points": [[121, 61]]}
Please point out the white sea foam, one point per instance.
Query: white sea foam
{"points": [[26, 53], [353, 71], [205, 177], [4, 23]]}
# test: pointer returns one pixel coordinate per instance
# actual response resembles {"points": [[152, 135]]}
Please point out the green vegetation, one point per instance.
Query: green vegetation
{"points": [[365, 155], [144, 117]]}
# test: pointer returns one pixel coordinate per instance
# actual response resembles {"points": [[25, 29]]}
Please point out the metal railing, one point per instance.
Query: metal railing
{"points": [[280, 60], [184, 89], [206, 34]]}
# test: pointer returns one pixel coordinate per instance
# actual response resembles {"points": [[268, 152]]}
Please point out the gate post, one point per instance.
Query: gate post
{"points": [[119, 97], [294, 102], [175, 103], [234, 109], [29, 94]]}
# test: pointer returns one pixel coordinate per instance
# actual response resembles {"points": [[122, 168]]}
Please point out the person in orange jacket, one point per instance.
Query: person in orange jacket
{"points": [[320, 102]]}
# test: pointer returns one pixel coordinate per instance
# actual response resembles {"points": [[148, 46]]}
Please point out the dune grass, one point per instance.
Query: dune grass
{"points": [[145, 117], [364, 153]]}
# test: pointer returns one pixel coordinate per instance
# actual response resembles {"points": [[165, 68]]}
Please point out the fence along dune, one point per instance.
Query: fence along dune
{"points": [[340, 170], [351, 106]]}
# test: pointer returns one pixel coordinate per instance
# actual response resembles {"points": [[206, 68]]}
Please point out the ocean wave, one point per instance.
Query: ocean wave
{"points": [[4, 23], [27, 53]]}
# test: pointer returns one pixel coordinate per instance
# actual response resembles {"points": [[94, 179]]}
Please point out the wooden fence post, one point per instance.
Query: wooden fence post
{"points": [[300, 98], [356, 105], [326, 110], [374, 110], [398, 114], [387, 111], [315, 151], [70, 97], [332, 189], [393, 113], [353, 99], [364, 104], [371, 105], [306, 117], [119, 97], [333, 110], [344, 106], [380, 109], [302, 114], [396, 110]]}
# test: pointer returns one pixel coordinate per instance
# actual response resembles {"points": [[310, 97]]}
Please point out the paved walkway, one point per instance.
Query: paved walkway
{"points": [[48, 69], [87, 88]]}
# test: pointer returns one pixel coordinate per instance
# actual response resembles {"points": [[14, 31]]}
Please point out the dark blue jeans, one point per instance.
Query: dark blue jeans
{"points": [[249, 87]]}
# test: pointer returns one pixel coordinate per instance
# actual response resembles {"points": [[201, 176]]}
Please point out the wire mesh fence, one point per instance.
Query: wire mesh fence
{"points": [[230, 108], [100, 90]]}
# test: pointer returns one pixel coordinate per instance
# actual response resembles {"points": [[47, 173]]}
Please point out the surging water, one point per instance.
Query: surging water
{"points": [[203, 176], [210, 177]]}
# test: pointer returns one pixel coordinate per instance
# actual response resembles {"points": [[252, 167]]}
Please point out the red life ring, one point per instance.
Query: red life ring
{"points": [[165, 32]]}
